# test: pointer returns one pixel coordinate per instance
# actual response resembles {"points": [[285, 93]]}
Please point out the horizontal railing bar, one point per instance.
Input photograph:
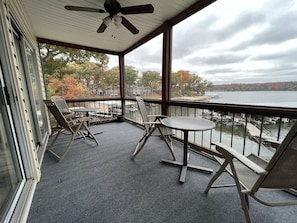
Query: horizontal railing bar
{"points": [[236, 108], [93, 99], [233, 108]]}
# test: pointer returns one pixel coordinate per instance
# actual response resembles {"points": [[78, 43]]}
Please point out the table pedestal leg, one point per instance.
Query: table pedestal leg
{"points": [[185, 164]]}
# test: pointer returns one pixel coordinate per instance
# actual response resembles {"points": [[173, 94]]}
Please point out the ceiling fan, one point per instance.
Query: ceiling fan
{"points": [[113, 7]]}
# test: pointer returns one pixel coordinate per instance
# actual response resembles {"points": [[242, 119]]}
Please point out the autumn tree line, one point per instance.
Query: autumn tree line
{"points": [[70, 72]]}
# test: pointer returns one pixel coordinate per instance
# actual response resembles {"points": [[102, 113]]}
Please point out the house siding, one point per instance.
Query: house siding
{"points": [[12, 9]]}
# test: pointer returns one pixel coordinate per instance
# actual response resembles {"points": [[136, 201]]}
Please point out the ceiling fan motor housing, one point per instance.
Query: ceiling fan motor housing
{"points": [[112, 9]]}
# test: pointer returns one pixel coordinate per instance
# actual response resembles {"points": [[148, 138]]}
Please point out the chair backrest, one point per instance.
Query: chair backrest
{"points": [[61, 104], [56, 112], [143, 112], [282, 168]]}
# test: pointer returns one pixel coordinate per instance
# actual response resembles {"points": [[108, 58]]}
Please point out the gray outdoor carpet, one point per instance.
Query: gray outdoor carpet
{"points": [[102, 184]]}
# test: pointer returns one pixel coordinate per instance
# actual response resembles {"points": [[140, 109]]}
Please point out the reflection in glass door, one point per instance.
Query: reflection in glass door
{"points": [[34, 83], [32, 90]]}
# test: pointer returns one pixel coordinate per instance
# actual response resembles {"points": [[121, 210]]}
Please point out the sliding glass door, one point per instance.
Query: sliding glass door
{"points": [[12, 177]]}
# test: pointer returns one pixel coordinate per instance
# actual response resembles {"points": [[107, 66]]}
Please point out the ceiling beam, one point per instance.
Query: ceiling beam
{"points": [[76, 46]]}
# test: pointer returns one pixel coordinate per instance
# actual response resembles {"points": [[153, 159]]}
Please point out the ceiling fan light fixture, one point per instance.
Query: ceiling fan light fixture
{"points": [[107, 20], [117, 20]]}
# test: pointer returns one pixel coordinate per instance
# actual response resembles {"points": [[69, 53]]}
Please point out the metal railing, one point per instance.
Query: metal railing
{"points": [[108, 109], [248, 129]]}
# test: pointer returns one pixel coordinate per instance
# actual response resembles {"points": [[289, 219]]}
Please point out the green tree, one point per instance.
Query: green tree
{"points": [[196, 85], [69, 55], [151, 79], [54, 58], [130, 76], [84, 72], [112, 78], [209, 85]]}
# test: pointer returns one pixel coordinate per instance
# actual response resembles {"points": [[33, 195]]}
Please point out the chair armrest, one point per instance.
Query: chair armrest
{"points": [[151, 123], [230, 154], [78, 119], [82, 119], [158, 116], [70, 116]]}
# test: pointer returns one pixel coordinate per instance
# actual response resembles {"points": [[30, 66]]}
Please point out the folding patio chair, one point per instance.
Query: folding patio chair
{"points": [[75, 126], [152, 128], [61, 104], [252, 173]]}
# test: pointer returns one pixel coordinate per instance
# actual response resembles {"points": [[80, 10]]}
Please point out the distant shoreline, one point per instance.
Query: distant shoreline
{"points": [[269, 86]]}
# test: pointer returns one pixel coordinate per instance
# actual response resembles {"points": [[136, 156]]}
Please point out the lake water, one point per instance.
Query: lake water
{"points": [[285, 99], [264, 98]]}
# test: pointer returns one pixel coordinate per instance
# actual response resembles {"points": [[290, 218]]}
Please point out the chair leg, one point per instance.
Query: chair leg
{"points": [[142, 142], [216, 176], [140, 145], [144, 139], [246, 207], [52, 143], [168, 142], [170, 146], [54, 140], [68, 148], [61, 157], [90, 133], [243, 196]]}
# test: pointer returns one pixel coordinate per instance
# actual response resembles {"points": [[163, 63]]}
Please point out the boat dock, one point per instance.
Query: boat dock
{"points": [[254, 132]]}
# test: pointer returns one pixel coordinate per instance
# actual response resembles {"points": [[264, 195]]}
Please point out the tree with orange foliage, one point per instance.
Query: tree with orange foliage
{"points": [[69, 87], [182, 78]]}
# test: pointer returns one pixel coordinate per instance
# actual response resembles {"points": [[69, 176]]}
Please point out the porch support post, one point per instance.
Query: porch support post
{"points": [[122, 81], [166, 66]]}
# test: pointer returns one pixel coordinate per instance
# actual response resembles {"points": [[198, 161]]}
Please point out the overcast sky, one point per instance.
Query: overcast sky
{"points": [[231, 41]]}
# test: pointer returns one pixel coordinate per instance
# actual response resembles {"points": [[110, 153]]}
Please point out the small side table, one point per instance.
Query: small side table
{"points": [[187, 124]]}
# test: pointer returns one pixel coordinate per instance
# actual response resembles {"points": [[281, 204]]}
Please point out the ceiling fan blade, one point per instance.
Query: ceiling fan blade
{"points": [[129, 26], [102, 28], [84, 9], [149, 8]]}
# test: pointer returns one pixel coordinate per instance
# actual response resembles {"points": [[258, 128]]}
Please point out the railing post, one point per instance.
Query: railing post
{"points": [[245, 134]]}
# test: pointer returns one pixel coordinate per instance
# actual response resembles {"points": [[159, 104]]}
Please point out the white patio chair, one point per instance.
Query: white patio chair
{"points": [[152, 128], [252, 173]]}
